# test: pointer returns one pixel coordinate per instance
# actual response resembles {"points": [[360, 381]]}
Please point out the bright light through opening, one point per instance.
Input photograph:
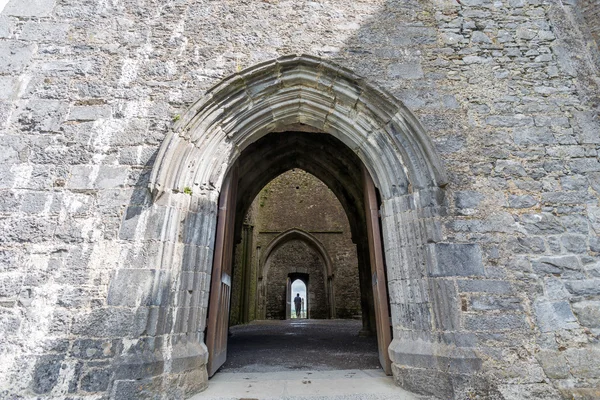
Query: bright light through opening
{"points": [[298, 288]]}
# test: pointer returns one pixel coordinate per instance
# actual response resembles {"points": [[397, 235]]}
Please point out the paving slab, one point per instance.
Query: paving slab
{"points": [[289, 385]]}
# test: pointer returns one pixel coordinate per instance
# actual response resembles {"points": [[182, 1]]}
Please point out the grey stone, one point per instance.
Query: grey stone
{"points": [[90, 113], [7, 87], [554, 364], [405, 71], [584, 165], [14, 56], [92, 349], [135, 287], [488, 303], [96, 380], [575, 243], [484, 286], [455, 260], [110, 322], [44, 32], [541, 224], [468, 199], [583, 362], [588, 313], [97, 177], [480, 37], [566, 197], [524, 201], [495, 323], [574, 182], [555, 264], [590, 127], [554, 315], [33, 8], [529, 391], [533, 136], [589, 287], [446, 313], [509, 120], [46, 372]]}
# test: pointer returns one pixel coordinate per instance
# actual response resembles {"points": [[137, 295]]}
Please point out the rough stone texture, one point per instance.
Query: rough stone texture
{"points": [[298, 200], [89, 91]]}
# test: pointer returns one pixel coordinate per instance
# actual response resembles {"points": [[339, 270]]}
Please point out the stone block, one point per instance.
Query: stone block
{"points": [[14, 56], [445, 305], [584, 362], [110, 322], [575, 243], [44, 32], [530, 391], [468, 199], [490, 303], [524, 201], [30, 8], [135, 287], [554, 364], [7, 87], [45, 374], [541, 224], [85, 177], [584, 165], [588, 287], [446, 259], [405, 71], [93, 349], [509, 121], [590, 126], [588, 313], [531, 136], [484, 286], [89, 113], [554, 315], [96, 380], [495, 323], [553, 265]]}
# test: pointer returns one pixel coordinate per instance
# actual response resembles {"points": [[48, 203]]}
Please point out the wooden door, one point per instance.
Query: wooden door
{"points": [[220, 288], [288, 300], [382, 316]]}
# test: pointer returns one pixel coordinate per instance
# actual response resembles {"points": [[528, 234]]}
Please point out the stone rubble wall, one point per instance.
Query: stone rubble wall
{"points": [[88, 90]]}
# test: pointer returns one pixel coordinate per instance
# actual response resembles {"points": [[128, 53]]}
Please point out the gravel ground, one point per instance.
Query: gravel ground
{"points": [[292, 345]]}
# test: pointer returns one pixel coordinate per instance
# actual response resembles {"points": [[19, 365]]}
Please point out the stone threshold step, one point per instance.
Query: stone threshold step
{"points": [[326, 385]]}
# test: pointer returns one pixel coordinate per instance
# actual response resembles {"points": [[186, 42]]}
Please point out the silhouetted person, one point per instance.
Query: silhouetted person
{"points": [[298, 304]]}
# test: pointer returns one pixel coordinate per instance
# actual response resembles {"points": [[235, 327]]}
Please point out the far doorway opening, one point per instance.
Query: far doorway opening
{"points": [[298, 290]]}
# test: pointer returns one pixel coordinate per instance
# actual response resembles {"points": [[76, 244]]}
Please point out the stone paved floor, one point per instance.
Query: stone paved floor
{"points": [[300, 345]]}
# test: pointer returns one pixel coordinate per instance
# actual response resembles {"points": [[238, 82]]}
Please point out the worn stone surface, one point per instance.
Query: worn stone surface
{"points": [[91, 265]]}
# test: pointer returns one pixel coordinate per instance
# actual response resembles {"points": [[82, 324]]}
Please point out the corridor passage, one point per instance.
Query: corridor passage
{"points": [[300, 345]]}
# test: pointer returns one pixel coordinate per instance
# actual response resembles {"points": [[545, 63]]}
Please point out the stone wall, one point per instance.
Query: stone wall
{"points": [[89, 90], [296, 256], [298, 200]]}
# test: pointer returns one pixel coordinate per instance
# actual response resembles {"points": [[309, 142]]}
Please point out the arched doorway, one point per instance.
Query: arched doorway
{"points": [[324, 277], [192, 181]]}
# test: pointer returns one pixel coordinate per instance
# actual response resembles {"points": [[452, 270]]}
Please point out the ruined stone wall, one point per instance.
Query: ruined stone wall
{"points": [[88, 90], [298, 200], [296, 256]]}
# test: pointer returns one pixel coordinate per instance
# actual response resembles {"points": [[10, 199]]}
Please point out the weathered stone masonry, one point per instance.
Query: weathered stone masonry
{"points": [[496, 281]]}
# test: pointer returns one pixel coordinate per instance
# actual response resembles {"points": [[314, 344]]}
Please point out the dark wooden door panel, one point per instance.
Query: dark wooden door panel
{"points": [[382, 316], [220, 290]]}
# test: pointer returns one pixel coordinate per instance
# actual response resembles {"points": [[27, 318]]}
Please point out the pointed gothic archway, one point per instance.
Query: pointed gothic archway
{"points": [[304, 92], [313, 243]]}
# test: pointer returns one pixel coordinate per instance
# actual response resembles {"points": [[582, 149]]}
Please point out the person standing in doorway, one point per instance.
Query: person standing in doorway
{"points": [[298, 304]]}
